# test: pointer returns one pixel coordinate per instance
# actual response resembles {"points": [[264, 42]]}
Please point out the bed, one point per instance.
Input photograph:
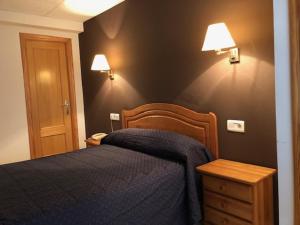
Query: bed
{"points": [[143, 174]]}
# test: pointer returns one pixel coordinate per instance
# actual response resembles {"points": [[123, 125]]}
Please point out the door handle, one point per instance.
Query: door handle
{"points": [[67, 105]]}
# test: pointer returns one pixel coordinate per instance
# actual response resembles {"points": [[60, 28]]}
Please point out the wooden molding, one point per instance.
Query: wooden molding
{"points": [[68, 43], [27, 95], [72, 93], [22, 19], [201, 126], [295, 73]]}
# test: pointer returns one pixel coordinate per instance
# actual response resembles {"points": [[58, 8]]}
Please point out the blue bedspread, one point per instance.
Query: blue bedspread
{"points": [[126, 181]]}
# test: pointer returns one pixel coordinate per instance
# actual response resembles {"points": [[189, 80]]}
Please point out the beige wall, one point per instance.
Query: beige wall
{"points": [[14, 139]]}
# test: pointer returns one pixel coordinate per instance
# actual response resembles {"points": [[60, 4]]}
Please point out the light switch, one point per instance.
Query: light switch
{"points": [[115, 116], [236, 126]]}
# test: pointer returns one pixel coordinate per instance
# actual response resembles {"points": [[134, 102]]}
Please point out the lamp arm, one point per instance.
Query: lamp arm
{"points": [[110, 74], [221, 52]]}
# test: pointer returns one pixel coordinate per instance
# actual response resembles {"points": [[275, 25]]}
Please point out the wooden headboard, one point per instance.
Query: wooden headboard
{"points": [[202, 127]]}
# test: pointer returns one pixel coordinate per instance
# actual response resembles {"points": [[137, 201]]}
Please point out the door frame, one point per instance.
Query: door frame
{"points": [[295, 83], [24, 37]]}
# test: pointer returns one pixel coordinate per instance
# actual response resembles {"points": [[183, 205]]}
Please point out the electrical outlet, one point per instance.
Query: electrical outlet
{"points": [[115, 116], [236, 126]]}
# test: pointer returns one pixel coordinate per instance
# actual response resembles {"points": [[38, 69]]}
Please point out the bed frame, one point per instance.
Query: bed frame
{"points": [[202, 127]]}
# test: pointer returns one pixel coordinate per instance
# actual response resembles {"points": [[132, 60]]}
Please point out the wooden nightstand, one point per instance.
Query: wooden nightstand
{"points": [[90, 142], [237, 193]]}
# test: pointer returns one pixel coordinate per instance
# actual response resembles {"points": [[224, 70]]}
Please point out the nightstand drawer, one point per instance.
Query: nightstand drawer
{"points": [[228, 205], [217, 218], [230, 188]]}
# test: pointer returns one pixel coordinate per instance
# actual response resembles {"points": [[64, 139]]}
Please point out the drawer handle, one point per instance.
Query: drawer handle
{"points": [[222, 187], [225, 221], [223, 205]]}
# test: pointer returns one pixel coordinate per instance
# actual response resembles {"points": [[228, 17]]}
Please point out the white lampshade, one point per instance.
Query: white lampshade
{"points": [[217, 37], [100, 63]]}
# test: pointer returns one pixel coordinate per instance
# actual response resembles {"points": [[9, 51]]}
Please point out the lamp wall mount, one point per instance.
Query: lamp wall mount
{"points": [[109, 73], [234, 54]]}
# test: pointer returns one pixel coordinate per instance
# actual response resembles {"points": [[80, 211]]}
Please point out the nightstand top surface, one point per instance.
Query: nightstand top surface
{"points": [[245, 173], [92, 141]]}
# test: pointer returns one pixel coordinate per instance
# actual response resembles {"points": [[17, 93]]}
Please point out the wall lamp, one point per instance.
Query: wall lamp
{"points": [[217, 38], [100, 63]]}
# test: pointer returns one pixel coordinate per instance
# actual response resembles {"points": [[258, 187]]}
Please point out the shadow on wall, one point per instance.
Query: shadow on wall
{"points": [[110, 93], [111, 24], [114, 89], [237, 80]]}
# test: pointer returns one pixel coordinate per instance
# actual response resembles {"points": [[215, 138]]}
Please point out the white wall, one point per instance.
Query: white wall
{"points": [[283, 113], [14, 139]]}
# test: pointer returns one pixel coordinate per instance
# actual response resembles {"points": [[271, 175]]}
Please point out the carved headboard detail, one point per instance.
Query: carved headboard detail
{"points": [[200, 126]]}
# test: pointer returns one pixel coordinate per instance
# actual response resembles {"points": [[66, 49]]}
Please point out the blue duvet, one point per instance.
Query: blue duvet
{"points": [[136, 177]]}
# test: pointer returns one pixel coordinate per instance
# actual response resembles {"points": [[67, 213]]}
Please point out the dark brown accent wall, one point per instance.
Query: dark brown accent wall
{"points": [[155, 48]]}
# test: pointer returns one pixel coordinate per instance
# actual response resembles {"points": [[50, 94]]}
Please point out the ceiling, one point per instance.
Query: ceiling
{"points": [[50, 8]]}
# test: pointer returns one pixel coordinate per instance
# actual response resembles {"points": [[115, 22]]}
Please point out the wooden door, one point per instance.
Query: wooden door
{"points": [[50, 96]]}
